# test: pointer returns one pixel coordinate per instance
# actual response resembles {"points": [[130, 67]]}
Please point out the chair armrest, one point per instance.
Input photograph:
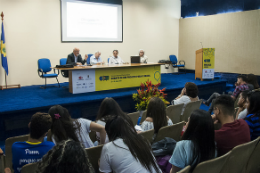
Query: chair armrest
{"points": [[40, 70], [182, 62], [55, 71]]}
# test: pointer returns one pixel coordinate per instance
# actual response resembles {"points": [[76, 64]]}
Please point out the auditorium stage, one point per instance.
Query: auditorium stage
{"points": [[18, 105]]}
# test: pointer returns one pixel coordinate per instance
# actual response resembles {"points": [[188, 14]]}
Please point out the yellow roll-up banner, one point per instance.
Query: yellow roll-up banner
{"points": [[114, 78]]}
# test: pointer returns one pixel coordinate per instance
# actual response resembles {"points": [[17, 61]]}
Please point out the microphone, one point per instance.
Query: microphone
{"points": [[201, 45]]}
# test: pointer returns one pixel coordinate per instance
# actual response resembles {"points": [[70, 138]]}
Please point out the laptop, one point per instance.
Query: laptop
{"points": [[135, 59]]}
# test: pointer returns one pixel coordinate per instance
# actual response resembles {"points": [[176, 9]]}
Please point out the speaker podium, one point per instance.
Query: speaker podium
{"points": [[205, 62]]}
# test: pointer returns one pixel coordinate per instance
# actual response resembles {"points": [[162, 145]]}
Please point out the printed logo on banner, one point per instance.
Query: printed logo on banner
{"points": [[104, 78], [80, 78]]}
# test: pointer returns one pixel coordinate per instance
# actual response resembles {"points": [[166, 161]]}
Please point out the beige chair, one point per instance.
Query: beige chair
{"points": [[253, 165], [8, 148], [143, 117], [134, 117], [185, 170], [173, 131], [94, 154], [239, 156], [29, 168], [212, 166], [148, 135], [2, 163], [189, 108], [174, 112]]}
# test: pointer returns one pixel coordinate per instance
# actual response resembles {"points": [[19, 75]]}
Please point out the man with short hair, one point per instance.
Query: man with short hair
{"points": [[241, 85], [75, 58], [96, 59], [233, 132], [115, 59], [35, 148]]}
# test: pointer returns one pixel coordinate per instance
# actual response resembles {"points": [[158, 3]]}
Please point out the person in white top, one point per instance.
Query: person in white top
{"points": [[127, 151], [188, 94], [242, 105], [115, 59], [108, 108], [64, 127], [96, 59], [143, 57], [156, 116]]}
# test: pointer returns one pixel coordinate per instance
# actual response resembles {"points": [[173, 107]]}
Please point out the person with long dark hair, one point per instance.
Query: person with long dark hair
{"points": [[127, 151], [66, 157], [197, 144], [64, 127], [107, 108], [156, 116], [252, 79], [253, 117]]}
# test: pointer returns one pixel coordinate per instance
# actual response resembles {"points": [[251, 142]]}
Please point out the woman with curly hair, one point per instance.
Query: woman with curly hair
{"points": [[66, 157]]}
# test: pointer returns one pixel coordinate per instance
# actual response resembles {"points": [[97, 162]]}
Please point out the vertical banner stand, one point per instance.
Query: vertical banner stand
{"points": [[7, 86]]}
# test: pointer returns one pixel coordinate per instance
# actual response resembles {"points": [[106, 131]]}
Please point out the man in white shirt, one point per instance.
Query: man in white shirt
{"points": [[96, 59], [115, 59]]}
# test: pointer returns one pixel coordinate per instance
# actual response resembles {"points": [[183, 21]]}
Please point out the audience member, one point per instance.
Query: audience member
{"points": [[115, 59], [253, 117], [241, 85], [197, 144], [143, 57], [233, 132], [66, 157], [188, 94], [35, 148], [156, 116], [252, 79], [64, 127], [127, 151], [107, 108], [242, 105]]}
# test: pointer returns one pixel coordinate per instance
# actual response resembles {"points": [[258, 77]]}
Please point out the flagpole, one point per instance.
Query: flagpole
{"points": [[7, 86]]}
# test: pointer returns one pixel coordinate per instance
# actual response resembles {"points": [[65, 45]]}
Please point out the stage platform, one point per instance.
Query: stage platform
{"points": [[18, 105]]}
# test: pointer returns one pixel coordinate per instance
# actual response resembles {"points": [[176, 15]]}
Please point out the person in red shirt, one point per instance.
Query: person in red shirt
{"points": [[233, 132]]}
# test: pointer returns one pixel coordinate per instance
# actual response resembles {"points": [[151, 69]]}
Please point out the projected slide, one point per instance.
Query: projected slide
{"points": [[87, 21]]}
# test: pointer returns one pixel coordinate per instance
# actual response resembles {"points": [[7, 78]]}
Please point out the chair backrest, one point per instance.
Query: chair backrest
{"points": [[212, 166], [253, 165], [173, 131], [134, 117], [92, 136], [189, 108], [29, 168], [185, 170], [143, 116], [148, 135], [174, 112], [108, 60], [2, 163], [63, 61], [239, 156], [8, 148], [173, 59], [88, 60], [94, 154], [44, 64]]}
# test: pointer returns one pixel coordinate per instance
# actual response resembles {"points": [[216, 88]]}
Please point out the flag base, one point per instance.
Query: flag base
{"points": [[9, 86]]}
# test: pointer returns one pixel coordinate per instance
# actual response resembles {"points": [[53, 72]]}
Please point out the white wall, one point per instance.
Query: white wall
{"points": [[32, 31], [236, 37]]}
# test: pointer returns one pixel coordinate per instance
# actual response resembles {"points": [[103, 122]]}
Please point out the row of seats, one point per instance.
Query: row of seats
{"points": [[241, 159]]}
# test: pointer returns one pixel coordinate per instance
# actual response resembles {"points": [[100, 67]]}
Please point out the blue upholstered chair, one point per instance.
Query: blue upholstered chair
{"points": [[64, 73], [88, 60], [44, 66], [175, 64], [108, 60]]}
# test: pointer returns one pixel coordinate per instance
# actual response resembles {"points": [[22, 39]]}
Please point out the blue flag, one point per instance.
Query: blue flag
{"points": [[3, 50]]}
